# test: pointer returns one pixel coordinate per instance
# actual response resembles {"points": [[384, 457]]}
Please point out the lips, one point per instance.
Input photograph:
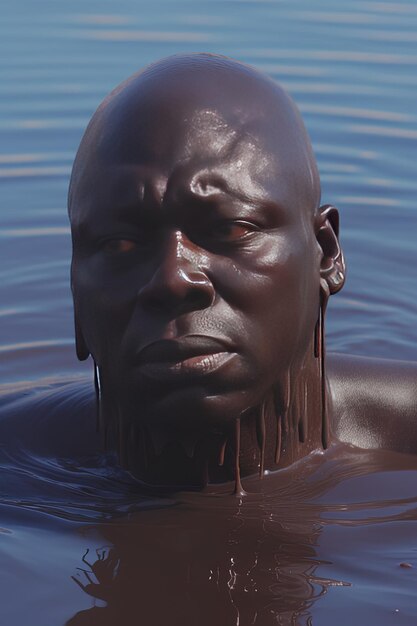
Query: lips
{"points": [[189, 356]]}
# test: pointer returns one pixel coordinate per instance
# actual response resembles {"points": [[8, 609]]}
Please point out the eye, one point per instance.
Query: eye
{"points": [[118, 246], [231, 230]]}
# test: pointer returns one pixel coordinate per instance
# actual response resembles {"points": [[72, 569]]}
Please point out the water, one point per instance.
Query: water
{"points": [[351, 67]]}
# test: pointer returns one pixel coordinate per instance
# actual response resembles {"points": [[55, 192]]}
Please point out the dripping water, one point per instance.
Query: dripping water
{"points": [[279, 439], [239, 491], [262, 437], [97, 390], [222, 452]]}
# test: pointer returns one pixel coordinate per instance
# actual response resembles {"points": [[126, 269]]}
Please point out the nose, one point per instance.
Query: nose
{"points": [[179, 284]]}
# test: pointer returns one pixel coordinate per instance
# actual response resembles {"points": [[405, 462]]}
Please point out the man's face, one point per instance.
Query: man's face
{"points": [[195, 271]]}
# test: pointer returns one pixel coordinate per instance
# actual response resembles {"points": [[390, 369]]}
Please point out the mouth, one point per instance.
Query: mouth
{"points": [[188, 357]]}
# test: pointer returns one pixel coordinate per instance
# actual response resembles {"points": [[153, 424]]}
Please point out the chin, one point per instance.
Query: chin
{"points": [[193, 409]]}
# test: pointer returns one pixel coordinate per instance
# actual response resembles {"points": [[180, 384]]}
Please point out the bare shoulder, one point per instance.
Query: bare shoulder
{"points": [[52, 417], [374, 401]]}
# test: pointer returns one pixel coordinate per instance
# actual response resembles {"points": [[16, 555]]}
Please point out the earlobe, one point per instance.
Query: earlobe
{"points": [[332, 267], [80, 346]]}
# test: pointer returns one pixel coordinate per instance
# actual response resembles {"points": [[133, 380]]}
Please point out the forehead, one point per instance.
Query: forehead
{"points": [[192, 115], [203, 154]]}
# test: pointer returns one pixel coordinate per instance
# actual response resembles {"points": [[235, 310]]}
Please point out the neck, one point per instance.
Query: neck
{"points": [[287, 425]]}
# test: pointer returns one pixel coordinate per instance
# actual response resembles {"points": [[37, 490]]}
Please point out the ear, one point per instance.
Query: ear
{"points": [[332, 267], [80, 346]]}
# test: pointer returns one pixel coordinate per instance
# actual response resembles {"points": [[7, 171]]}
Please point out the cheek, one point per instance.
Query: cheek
{"points": [[275, 294], [280, 272], [104, 303]]}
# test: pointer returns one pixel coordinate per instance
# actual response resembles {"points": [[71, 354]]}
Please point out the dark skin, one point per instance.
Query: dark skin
{"points": [[201, 256], [198, 255]]}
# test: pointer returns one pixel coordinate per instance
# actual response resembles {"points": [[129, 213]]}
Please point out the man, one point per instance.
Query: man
{"points": [[201, 271], [202, 266]]}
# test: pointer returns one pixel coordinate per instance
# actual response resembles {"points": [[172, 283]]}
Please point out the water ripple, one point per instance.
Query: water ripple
{"points": [[346, 57], [25, 172], [352, 112], [143, 35], [50, 231]]}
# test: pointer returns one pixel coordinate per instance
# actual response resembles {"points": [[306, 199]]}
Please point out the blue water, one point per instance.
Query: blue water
{"points": [[350, 66]]}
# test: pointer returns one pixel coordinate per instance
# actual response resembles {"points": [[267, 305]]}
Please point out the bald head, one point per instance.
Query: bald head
{"points": [[209, 112], [198, 241]]}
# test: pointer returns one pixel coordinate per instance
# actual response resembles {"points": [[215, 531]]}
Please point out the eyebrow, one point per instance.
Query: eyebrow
{"points": [[219, 187]]}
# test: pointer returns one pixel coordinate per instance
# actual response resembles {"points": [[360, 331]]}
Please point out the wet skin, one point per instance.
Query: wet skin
{"points": [[197, 276], [200, 249], [198, 241]]}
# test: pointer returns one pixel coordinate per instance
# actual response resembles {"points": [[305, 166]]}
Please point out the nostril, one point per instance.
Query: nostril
{"points": [[201, 295], [177, 292]]}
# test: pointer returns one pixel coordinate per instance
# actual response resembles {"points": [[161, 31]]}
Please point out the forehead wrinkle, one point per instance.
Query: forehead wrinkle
{"points": [[206, 172], [120, 190], [232, 175], [210, 182], [201, 77], [134, 185]]}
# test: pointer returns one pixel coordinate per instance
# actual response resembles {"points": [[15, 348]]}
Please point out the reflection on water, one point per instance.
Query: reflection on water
{"points": [[100, 576], [323, 540], [315, 542], [268, 558], [234, 565]]}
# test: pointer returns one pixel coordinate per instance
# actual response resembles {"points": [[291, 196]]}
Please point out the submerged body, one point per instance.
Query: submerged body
{"points": [[327, 540]]}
